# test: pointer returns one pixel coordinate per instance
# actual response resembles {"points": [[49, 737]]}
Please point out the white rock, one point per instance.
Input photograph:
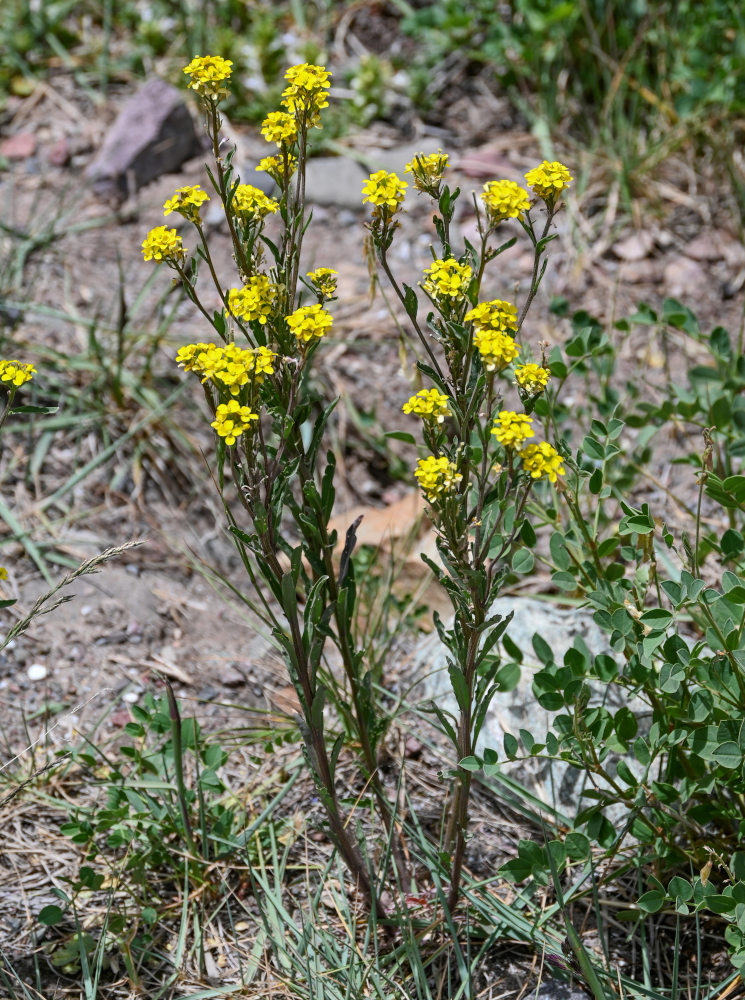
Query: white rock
{"points": [[131, 697], [36, 672]]}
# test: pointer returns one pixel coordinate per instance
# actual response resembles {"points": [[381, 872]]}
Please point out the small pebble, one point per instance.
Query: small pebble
{"points": [[131, 697], [36, 672]]}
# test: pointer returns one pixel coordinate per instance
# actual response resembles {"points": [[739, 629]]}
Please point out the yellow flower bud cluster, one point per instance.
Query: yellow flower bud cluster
{"points": [[187, 201], [504, 200], [323, 280], [494, 323], [548, 180], [513, 430], [251, 202], [163, 243], [306, 92], [309, 322], [436, 476], [229, 366], [447, 279], [277, 166], [279, 127], [255, 301], [209, 75], [385, 190], [532, 378], [427, 171], [232, 420], [429, 404], [16, 373]]}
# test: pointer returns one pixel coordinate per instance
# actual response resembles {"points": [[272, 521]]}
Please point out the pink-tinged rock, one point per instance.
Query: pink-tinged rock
{"points": [[152, 135], [19, 146], [634, 247], [488, 162], [706, 246], [59, 153], [685, 277]]}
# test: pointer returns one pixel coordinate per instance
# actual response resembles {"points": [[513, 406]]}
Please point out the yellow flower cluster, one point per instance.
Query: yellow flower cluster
{"points": [[208, 75], [230, 365], [532, 378], [279, 127], [429, 404], [186, 201], [447, 279], [232, 420], [436, 476], [548, 180], [163, 243], [323, 280], [494, 315], [308, 322], [3, 573], [427, 170], [16, 372], [306, 93], [512, 429], [250, 201], [275, 167], [384, 190], [542, 460], [254, 301], [497, 349], [504, 200]]}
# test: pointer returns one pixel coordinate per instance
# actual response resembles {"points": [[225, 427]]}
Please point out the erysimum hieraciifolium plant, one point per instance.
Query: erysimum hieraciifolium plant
{"points": [[270, 430], [13, 374], [484, 455]]}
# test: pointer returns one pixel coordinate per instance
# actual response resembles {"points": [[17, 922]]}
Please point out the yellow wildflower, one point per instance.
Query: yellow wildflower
{"points": [[3, 573], [384, 190], [436, 476], [208, 75], [229, 366], [16, 373], [427, 170], [548, 180], [308, 322], [254, 301], [275, 167], [429, 404], [512, 429], [447, 279], [495, 315], [186, 201], [279, 127], [497, 349], [232, 420], [323, 280], [163, 243], [306, 93], [504, 200], [542, 460], [532, 378], [250, 201]]}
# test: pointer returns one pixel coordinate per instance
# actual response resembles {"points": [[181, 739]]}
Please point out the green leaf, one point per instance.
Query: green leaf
{"points": [[50, 916], [470, 764], [652, 901], [523, 561], [728, 755], [401, 436], [510, 745]]}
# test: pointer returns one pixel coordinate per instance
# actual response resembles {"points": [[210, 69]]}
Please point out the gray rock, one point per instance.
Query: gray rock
{"points": [[152, 135], [554, 782], [335, 180]]}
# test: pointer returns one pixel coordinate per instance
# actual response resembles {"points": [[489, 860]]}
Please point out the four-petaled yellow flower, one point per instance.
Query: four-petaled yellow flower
{"points": [[16, 372], [427, 170], [254, 301], [504, 200], [447, 279], [436, 476], [232, 420], [251, 202], [163, 243], [3, 573], [186, 201], [384, 190], [542, 460], [429, 404], [275, 167], [323, 280], [497, 349], [308, 322], [495, 315], [208, 75], [306, 93], [512, 429], [279, 127], [532, 378], [548, 180]]}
